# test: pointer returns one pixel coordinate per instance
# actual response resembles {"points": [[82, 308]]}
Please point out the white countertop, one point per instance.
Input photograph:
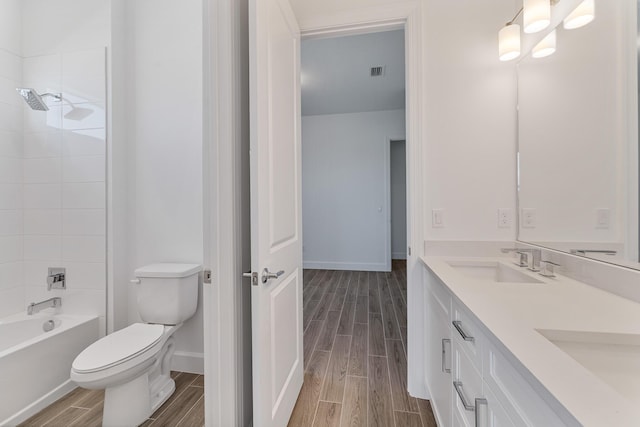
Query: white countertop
{"points": [[513, 312]]}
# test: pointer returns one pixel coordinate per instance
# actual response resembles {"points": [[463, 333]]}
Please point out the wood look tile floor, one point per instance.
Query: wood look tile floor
{"points": [[83, 408], [355, 341]]}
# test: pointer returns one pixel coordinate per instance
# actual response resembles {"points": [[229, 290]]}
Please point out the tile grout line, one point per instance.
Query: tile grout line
{"points": [[190, 409]]}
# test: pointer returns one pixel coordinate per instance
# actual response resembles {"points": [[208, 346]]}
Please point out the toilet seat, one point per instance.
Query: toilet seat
{"points": [[118, 348]]}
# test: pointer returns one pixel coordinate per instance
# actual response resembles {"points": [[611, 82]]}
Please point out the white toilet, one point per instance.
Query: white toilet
{"points": [[134, 363]]}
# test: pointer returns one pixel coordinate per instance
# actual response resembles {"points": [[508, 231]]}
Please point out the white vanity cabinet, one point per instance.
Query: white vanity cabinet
{"points": [[438, 372], [470, 381]]}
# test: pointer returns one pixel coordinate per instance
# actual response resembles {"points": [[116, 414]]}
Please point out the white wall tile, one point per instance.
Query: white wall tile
{"points": [[79, 301], [42, 196], [88, 222], [42, 121], [83, 196], [42, 144], [12, 301], [11, 118], [83, 248], [10, 275], [10, 196], [35, 272], [11, 25], [83, 116], [42, 247], [8, 94], [11, 249], [83, 76], [84, 142], [44, 74], [42, 222], [11, 223], [83, 169], [10, 170], [11, 143], [86, 275], [10, 65], [43, 171]]}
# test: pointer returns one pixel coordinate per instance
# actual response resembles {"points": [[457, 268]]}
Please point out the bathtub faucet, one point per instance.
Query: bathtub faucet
{"points": [[35, 307]]}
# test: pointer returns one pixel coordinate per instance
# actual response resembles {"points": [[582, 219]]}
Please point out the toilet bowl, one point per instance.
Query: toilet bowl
{"points": [[133, 365]]}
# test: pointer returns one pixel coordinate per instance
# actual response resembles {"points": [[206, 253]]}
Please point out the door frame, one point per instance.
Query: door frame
{"points": [[407, 16], [388, 142], [225, 109]]}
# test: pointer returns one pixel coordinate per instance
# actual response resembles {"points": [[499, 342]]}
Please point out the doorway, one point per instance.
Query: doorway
{"points": [[354, 221]]}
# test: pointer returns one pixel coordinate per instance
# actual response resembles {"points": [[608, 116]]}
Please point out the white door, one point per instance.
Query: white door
{"points": [[276, 211]]}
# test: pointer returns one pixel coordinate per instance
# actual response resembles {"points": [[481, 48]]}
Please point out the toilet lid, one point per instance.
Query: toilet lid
{"points": [[118, 347]]}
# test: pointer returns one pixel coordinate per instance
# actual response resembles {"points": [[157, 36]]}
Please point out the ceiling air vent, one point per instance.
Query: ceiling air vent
{"points": [[377, 71]]}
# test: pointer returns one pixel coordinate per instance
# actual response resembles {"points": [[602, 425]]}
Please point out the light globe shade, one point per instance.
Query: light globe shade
{"points": [[581, 15], [509, 42], [536, 15], [546, 47]]}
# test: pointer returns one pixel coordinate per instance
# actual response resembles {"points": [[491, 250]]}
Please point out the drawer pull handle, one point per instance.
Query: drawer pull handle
{"points": [[444, 355], [458, 325], [465, 402]]}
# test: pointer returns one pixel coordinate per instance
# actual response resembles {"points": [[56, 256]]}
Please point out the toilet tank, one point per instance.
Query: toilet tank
{"points": [[168, 292]]}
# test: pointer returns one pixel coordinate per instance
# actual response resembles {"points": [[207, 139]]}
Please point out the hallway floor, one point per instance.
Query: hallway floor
{"points": [[355, 335], [83, 408]]}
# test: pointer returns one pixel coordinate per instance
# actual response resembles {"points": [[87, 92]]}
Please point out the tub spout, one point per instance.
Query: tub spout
{"points": [[35, 307]]}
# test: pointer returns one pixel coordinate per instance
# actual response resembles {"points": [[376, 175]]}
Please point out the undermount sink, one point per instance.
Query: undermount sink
{"points": [[492, 271], [614, 358]]}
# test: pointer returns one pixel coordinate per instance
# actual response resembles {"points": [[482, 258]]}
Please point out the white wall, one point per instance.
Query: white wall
{"points": [[398, 172], [163, 80], [345, 203], [469, 120], [11, 152]]}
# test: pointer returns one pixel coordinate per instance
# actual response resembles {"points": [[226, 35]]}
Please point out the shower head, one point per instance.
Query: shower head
{"points": [[34, 99]]}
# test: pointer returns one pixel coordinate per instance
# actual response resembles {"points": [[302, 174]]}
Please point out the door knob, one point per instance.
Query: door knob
{"points": [[267, 275]]}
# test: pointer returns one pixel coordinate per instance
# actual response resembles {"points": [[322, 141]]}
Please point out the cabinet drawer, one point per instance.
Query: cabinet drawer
{"points": [[493, 413], [466, 387], [440, 296], [468, 334], [522, 403]]}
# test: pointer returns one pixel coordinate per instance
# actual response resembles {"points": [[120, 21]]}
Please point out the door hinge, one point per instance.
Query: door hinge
{"points": [[409, 251], [207, 276]]}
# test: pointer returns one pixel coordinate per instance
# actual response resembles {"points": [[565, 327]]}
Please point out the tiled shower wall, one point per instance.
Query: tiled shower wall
{"points": [[64, 180], [11, 151], [52, 181]]}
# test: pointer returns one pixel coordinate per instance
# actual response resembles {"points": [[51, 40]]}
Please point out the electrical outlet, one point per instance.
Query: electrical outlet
{"points": [[529, 219], [603, 218], [437, 218], [504, 218]]}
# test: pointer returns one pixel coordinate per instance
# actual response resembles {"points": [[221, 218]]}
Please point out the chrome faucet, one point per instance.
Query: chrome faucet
{"points": [[533, 260], [35, 307]]}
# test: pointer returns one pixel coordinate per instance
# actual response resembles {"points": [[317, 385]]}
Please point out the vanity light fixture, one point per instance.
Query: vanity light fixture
{"points": [[509, 40], [537, 15], [581, 15], [546, 46]]}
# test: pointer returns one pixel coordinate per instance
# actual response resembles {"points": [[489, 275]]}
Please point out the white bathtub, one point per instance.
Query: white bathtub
{"points": [[35, 365]]}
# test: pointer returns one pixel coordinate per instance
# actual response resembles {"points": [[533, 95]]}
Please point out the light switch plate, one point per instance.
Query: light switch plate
{"points": [[528, 219], [504, 218], [603, 218], [437, 218]]}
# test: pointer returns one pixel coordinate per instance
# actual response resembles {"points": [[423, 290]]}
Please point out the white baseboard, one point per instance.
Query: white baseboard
{"points": [[352, 266], [398, 255], [184, 361], [39, 404]]}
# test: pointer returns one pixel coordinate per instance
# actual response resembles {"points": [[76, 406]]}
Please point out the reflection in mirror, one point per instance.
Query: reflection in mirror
{"points": [[577, 137]]}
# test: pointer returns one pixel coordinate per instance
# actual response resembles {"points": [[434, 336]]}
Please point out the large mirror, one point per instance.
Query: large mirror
{"points": [[578, 140]]}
